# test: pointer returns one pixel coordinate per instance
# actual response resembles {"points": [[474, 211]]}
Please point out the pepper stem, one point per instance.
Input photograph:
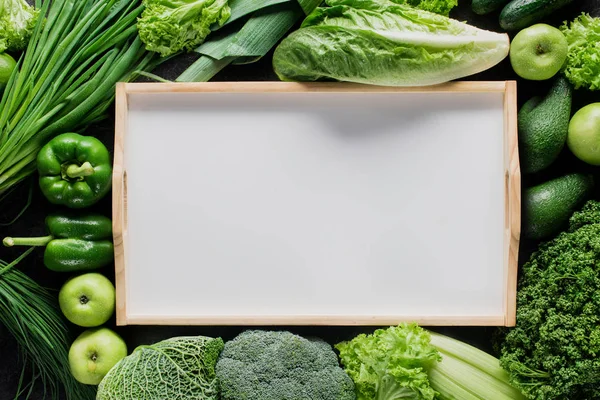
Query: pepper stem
{"points": [[34, 241], [77, 171]]}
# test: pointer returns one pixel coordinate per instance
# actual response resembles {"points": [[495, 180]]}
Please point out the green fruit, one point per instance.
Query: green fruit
{"points": [[584, 134], [548, 206], [543, 127], [87, 300], [483, 7], [519, 14], [538, 52], [7, 65], [94, 353]]}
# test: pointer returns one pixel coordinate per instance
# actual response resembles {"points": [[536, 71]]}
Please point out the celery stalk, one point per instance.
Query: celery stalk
{"points": [[467, 373]]}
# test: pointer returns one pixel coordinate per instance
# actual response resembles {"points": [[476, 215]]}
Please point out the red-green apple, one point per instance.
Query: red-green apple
{"points": [[87, 300], [94, 353], [538, 52], [583, 138]]}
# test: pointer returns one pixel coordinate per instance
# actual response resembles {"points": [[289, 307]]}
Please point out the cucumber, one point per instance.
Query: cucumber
{"points": [[482, 7], [519, 14]]}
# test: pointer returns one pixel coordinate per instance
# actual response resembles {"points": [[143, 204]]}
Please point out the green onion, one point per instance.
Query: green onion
{"points": [[31, 315], [67, 76]]}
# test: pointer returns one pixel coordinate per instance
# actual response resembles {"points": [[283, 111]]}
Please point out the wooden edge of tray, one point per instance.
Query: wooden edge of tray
{"points": [[513, 202], [295, 87], [314, 320], [120, 203]]}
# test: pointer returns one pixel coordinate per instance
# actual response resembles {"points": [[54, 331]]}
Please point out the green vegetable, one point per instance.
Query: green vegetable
{"points": [[552, 353], [467, 373], [391, 363], [442, 7], [264, 365], [7, 66], [519, 14], [543, 127], [67, 77], [75, 243], [179, 368], [583, 68], [547, 206], [30, 313], [75, 171], [17, 20], [267, 22], [384, 43], [169, 26], [483, 7]]}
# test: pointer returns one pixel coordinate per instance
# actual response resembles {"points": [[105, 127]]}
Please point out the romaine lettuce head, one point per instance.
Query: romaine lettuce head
{"points": [[169, 26], [385, 43]]}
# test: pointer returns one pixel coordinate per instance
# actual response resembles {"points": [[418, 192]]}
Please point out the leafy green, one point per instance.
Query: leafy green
{"points": [[553, 352], [385, 43], [583, 57], [17, 20], [169, 26], [266, 365], [179, 368], [391, 363], [442, 7], [265, 26]]}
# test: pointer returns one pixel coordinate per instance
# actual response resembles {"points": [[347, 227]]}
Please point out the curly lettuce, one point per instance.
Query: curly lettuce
{"points": [[391, 364], [442, 7], [170, 26], [17, 19], [583, 58]]}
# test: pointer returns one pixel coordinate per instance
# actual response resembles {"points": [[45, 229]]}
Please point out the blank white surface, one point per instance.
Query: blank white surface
{"points": [[315, 204]]}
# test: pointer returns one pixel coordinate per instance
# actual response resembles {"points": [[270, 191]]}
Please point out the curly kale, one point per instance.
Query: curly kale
{"points": [[554, 350], [266, 365]]}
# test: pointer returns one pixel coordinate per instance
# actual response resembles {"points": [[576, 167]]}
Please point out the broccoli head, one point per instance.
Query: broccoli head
{"points": [[267, 365], [17, 19], [169, 26], [553, 351]]}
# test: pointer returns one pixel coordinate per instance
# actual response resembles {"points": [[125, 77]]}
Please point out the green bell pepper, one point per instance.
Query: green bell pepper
{"points": [[75, 243], [75, 170]]}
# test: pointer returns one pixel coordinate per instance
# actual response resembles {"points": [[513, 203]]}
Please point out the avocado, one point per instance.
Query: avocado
{"points": [[543, 127], [548, 206]]}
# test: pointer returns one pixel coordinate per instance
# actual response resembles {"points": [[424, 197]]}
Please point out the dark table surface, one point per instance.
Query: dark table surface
{"points": [[32, 221]]}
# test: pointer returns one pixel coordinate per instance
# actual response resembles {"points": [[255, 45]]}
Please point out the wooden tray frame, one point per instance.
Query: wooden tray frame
{"points": [[512, 200]]}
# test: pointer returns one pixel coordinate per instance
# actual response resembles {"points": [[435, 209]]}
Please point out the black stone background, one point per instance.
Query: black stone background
{"points": [[32, 222]]}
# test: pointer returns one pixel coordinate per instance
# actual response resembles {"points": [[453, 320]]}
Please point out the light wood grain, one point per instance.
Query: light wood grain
{"points": [[513, 202], [120, 204], [316, 320], [293, 87]]}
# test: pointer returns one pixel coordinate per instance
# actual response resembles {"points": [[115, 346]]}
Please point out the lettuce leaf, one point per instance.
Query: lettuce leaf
{"points": [[169, 26], [442, 7], [391, 363], [583, 57], [17, 20], [385, 43]]}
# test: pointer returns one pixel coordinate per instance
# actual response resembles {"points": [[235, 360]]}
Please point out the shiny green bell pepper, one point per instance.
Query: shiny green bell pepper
{"points": [[79, 243], [75, 170]]}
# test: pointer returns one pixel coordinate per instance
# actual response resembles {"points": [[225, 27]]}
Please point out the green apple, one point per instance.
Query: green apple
{"points": [[94, 353], [537, 53], [583, 138], [87, 300], [7, 65]]}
